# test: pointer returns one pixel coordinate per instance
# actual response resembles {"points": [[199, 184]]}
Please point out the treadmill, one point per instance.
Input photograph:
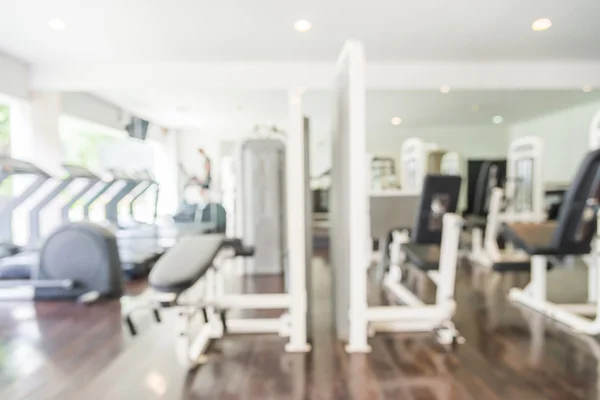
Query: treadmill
{"points": [[147, 181], [22, 264], [16, 262], [164, 236], [137, 254]]}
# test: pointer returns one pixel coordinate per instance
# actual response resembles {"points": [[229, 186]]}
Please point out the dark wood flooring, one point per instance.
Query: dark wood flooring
{"points": [[66, 351]]}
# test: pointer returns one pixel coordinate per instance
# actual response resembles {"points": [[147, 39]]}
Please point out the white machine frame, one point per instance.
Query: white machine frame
{"points": [[191, 349], [415, 315], [415, 150], [454, 164], [530, 147], [351, 239], [573, 316], [484, 248]]}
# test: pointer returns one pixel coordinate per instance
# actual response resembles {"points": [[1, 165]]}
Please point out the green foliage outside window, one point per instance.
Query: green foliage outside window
{"points": [[82, 141]]}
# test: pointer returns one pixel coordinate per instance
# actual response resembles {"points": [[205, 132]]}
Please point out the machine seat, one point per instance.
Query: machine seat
{"points": [[239, 248], [185, 263], [535, 239], [475, 221], [424, 256]]}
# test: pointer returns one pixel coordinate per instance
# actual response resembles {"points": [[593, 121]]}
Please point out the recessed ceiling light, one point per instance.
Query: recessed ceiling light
{"points": [[475, 108], [445, 89], [498, 119], [541, 24], [57, 24], [587, 88], [302, 25], [396, 121]]}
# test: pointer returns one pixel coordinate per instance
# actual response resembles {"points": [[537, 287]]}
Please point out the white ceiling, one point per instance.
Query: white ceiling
{"points": [[262, 30], [239, 110]]}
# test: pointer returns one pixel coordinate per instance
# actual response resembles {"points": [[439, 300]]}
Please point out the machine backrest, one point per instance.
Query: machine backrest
{"points": [[440, 195], [215, 213], [576, 225], [491, 175]]}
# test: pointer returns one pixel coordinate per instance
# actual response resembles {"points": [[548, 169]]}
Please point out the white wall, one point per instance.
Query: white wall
{"points": [[475, 142], [565, 134], [14, 77], [91, 108], [471, 141]]}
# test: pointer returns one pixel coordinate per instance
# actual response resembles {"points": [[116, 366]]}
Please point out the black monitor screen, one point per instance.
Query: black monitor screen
{"points": [[137, 128]]}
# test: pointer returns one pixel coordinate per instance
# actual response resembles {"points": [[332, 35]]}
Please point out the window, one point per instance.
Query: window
{"points": [[4, 129]]}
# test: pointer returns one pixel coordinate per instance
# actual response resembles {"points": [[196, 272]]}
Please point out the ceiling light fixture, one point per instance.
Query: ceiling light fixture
{"points": [[541, 24], [445, 89], [498, 119], [57, 24], [587, 88], [396, 121], [302, 25]]}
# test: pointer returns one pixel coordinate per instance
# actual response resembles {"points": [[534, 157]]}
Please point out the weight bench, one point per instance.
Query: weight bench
{"points": [[191, 277], [570, 235], [433, 249]]}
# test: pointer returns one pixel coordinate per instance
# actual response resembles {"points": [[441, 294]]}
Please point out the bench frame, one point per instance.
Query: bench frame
{"points": [[572, 315], [213, 302], [414, 315]]}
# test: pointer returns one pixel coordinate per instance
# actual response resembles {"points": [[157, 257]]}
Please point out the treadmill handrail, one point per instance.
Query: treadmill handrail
{"points": [[13, 166], [88, 205]]}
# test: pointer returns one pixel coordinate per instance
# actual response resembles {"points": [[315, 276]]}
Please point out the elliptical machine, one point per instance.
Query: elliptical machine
{"points": [[77, 261]]}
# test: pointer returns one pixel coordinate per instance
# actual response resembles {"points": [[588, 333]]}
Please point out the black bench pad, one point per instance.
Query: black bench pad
{"points": [[424, 256], [238, 247], [512, 263], [186, 262], [535, 239]]}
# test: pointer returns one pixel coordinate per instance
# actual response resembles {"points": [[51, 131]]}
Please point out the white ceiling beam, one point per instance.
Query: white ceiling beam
{"points": [[396, 76]]}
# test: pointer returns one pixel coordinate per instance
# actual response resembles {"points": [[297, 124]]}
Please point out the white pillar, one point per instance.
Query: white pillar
{"points": [[35, 137], [296, 148], [166, 170]]}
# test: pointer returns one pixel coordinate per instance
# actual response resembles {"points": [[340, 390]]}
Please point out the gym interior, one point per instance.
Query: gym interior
{"points": [[326, 200]]}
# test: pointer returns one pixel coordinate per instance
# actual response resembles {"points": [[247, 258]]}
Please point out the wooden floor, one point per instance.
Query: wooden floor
{"points": [[65, 351]]}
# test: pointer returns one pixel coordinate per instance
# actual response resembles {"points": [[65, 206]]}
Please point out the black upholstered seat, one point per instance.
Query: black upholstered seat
{"points": [[181, 267], [424, 249], [424, 256], [238, 247], [572, 233], [512, 263]]}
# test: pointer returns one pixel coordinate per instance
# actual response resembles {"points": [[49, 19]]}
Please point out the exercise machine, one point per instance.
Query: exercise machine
{"points": [[138, 251], [571, 235], [418, 158], [433, 249], [199, 262], [261, 217], [452, 163], [76, 261], [350, 218], [522, 200]]}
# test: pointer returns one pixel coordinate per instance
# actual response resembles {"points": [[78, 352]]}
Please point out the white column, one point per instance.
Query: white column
{"points": [[166, 170], [296, 147], [35, 137]]}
